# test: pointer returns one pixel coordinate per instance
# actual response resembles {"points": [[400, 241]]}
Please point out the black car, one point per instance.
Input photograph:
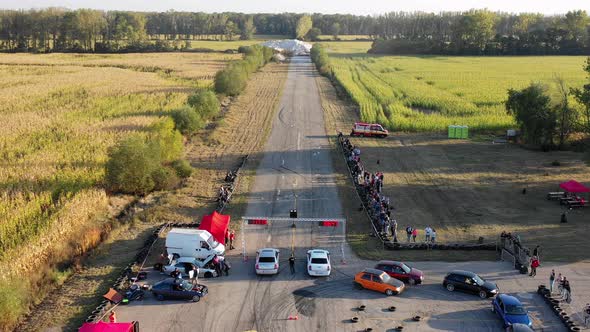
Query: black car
{"points": [[471, 283], [175, 288]]}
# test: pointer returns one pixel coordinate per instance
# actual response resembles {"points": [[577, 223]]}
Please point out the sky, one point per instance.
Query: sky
{"points": [[362, 7]]}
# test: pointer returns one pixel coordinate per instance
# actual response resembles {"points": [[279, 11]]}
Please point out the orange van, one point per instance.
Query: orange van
{"points": [[378, 281]]}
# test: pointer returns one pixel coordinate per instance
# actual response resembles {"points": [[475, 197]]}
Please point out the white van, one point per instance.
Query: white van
{"points": [[196, 243]]}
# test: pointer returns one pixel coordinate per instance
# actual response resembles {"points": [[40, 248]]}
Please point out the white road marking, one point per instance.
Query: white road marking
{"points": [[298, 140], [278, 192], [268, 238], [283, 162]]}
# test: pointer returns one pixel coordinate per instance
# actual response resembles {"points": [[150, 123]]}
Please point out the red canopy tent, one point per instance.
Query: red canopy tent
{"points": [[107, 327], [216, 224], [573, 186]]}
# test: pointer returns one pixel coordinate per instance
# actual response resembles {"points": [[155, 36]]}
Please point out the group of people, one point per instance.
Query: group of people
{"points": [[220, 265], [223, 195], [379, 206], [370, 186], [230, 238], [429, 234], [563, 286]]}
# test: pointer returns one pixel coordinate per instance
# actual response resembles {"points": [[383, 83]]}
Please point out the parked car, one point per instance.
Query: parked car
{"points": [[510, 310], [401, 271], [471, 283], [267, 261], [379, 281], [368, 130], [185, 264], [179, 289], [318, 262]]}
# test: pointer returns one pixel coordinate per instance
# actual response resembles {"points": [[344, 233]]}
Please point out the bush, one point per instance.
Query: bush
{"points": [[232, 80], [165, 140], [183, 168], [205, 103], [130, 166], [187, 120], [165, 178], [12, 302]]}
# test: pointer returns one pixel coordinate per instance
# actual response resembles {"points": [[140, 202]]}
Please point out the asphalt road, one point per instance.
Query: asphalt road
{"points": [[296, 172]]}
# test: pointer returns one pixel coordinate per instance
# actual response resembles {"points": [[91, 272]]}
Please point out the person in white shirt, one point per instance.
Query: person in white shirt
{"points": [[427, 233]]}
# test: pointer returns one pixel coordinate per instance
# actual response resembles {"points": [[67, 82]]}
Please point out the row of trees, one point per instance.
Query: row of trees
{"points": [[479, 32], [472, 32], [232, 80], [549, 122]]}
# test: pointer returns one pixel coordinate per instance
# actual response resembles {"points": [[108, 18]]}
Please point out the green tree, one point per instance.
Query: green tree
{"points": [[531, 108], [476, 28], [566, 116], [314, 34], [247, 29], [130, 166], [205, 103], [230, 30], [582, 96], [335, 30], [187, 120], [576, 23], [304, 24], [165, 141]]}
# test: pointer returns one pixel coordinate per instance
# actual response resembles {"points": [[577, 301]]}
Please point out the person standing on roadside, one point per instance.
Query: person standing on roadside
{"points": [[433, 236], [232, 238], [567, 291], [551, 281], [414, 234], [536, 252], [534, 266], [292, 263], [427, 233], [409, 230]]}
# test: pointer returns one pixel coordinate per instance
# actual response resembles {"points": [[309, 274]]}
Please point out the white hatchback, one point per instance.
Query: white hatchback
{"points": [[318, 262], [267, 261]]}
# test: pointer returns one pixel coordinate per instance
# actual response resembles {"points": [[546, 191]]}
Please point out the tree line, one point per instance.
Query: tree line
{"points": [[470, 32], [483, 32]]}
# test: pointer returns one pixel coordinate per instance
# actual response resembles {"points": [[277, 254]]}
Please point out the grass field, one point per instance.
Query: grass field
{"points": [[428, 93], [60, 114], [464, 189]]}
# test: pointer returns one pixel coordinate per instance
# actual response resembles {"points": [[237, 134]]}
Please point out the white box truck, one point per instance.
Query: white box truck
{"points": [[196, 243]]}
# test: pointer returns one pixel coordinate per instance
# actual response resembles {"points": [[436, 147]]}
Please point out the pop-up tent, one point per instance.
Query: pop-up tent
{"points": [[109, 327], [216, 224], [573, 186]]}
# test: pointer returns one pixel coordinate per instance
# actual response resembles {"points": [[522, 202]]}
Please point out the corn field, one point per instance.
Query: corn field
{"points": [[431, 93], [60, 114]]}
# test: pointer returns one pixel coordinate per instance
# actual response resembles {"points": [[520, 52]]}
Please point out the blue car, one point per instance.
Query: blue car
{"points": [[511, 310]]}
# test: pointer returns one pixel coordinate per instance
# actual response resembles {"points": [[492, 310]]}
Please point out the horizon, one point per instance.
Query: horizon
{"points": [[310, 7]]}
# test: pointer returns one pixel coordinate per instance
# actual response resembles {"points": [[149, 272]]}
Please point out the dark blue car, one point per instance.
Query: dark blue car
{"points": [[178, 289], [511, 310]]}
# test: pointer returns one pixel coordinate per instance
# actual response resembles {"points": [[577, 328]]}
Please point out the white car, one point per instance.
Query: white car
{"points": [[318, 262], [267, 261], [184, 264]]}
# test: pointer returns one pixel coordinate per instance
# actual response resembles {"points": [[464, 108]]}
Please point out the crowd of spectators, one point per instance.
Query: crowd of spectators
{"points": [[369, 186]]}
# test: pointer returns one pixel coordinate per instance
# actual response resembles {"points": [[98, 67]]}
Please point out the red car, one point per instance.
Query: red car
{"points": [[401, 271]]}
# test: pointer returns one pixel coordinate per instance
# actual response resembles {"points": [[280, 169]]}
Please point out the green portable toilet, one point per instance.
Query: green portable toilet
{"points": [[452, 131], [464, 131]]}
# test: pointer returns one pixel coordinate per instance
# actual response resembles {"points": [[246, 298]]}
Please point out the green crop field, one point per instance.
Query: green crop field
{"points": [[428, 93]]}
